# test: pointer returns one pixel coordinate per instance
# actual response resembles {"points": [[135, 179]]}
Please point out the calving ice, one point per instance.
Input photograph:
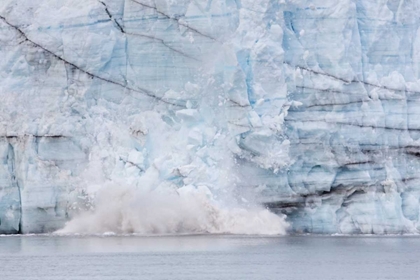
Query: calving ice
{"points": [[140, 116]]}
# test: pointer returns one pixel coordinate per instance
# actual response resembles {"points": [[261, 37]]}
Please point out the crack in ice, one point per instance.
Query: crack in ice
{"points": [[90, 74], [175, 19], [122, 30], [348, 81]]}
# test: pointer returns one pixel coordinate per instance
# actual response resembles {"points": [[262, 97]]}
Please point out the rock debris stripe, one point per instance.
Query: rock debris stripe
{"points": [[163, 43], [132, 163], [355, 125], [175, 19], [141, 91], [354, 102], [349, 92], [33, 135], [300, 200], [111, 17], [349, 81], [148, 93]]}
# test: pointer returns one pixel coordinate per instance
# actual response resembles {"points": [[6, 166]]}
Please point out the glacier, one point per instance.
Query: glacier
{"points": [[308, 107]]}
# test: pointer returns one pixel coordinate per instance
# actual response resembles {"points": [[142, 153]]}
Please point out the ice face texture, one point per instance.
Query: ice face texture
{"points": [[311, 107]]}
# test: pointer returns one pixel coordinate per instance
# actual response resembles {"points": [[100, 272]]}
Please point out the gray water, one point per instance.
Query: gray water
{"points": [[209, 257]]}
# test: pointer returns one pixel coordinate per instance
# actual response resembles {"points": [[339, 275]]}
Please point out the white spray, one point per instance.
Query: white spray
{"points": [[123, 210], [177, 172]]}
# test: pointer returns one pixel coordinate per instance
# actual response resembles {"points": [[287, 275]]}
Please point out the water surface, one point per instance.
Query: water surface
{"points": [[209, 257]]}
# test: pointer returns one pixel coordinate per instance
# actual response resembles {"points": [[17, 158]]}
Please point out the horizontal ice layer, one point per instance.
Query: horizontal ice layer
{"points": [[353, 144], [308, 106]]}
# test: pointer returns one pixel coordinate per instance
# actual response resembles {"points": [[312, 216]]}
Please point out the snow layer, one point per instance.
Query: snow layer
{"points": [[311, 107]]}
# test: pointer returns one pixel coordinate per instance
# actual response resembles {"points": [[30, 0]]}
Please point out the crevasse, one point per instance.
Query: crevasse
{"points": [[306, 107]]}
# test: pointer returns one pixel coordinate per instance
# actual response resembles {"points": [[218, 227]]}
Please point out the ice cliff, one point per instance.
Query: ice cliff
{"points": [[310, 107]]}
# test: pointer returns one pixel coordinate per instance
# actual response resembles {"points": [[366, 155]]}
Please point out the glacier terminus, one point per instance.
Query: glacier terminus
{"points": [[220, 116]]}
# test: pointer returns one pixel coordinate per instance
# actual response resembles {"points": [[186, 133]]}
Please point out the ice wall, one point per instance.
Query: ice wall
{"points": [[307, 106]]}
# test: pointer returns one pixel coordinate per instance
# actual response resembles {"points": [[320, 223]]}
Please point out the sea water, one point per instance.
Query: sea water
{"points": [[209, 257]]}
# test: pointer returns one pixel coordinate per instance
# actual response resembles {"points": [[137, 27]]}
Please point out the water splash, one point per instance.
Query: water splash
{"points": [[187, 210]]}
